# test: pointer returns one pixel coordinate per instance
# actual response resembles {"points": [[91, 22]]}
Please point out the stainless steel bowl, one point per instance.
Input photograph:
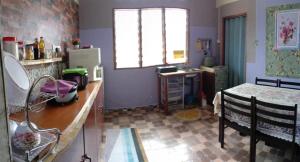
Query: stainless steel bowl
{"points": [[12, 127]]}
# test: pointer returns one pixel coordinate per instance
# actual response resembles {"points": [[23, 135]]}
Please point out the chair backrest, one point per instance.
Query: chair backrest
{"points": [[275, 115], [267, 82], [239, 105], [289, 85]]}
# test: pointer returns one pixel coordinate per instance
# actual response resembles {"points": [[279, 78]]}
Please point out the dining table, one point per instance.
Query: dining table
{"points": [[275, 95]]}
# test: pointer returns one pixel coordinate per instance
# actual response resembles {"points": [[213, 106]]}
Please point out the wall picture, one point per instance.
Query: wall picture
{"points": [[284, 62], [287, 29]]}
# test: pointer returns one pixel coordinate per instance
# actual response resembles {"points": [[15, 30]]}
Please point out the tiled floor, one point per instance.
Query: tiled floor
{"points": [[167, 139]]}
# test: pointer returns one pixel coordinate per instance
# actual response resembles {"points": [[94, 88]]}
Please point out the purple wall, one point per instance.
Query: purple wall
{"points": [[134, 87], [258, 67], [129, 88]]}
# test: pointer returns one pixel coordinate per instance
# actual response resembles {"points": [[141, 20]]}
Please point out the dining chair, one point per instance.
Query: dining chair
{"points": [[289, 85], [271, 118], [267, 82], [234, 105]]}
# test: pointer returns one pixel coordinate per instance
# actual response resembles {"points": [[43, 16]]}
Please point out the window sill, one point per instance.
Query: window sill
{"points": [[153, 66]]}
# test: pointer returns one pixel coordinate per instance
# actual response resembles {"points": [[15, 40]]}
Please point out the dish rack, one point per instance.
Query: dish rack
{"points": [[49, 137]]}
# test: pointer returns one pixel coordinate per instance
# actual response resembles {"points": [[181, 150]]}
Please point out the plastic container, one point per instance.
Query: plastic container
{"points": [[78, 75], [10, 45]]}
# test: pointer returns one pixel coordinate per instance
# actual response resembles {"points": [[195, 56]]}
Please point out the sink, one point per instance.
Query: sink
{"points": [[190, 69]]}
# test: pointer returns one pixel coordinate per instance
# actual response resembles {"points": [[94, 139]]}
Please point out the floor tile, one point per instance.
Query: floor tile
{"points": [[167, 139]]}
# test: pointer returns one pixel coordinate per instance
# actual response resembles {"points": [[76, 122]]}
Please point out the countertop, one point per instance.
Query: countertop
{"points": [[68, 118], [181, 72]]}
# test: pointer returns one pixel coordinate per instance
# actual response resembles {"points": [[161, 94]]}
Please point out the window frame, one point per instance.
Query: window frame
{"points": [[163, 36]]}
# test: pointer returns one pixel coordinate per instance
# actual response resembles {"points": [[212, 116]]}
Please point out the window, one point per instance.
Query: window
{"points": [[126, 38], [150, 36]]}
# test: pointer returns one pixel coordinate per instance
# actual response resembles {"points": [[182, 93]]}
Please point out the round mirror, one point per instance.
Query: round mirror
{"points": [[17, 83], [16, 71]]}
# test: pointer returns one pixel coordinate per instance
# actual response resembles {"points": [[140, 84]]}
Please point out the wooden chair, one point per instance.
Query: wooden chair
{"points": [[231, 103], [267, 82], [265, 114], [289, 85]]}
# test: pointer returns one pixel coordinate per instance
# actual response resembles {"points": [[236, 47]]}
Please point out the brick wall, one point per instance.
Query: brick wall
{"points": [[56, 20]]}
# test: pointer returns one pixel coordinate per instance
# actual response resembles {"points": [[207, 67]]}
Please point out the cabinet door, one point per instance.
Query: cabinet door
{"points": [[99, 120], [94, 125], [73, 152], [91, 135], [209, 86], [100, 112]]}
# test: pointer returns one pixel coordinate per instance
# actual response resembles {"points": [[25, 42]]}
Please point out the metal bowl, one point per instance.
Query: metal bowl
{"points": [[12, 127], [24, 138]]}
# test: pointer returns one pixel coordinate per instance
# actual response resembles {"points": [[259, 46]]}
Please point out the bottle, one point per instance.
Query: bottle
{"points": [[36, 49], [42, 48], [21, 48]]}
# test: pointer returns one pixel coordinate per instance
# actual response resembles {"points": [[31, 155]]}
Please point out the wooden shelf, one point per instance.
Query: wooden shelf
{"points": [[41, 61]]}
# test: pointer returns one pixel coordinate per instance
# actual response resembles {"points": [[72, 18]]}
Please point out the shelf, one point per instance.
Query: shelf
{"points": [[175, 90], [41, 61], [174, 98]]}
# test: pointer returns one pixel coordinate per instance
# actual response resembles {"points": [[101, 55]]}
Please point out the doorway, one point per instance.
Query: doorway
{"points": [[233, 52]]}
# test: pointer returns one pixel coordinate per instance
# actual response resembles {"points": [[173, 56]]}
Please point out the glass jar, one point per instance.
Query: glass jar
{"points": [[29, 52]]}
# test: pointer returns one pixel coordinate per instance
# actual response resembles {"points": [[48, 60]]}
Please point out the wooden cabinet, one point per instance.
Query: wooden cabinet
{"points": [[93, 128], [214, 79], [74, 152], [208, 86]]}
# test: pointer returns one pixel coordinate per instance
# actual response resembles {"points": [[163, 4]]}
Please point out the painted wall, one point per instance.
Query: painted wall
{"points": [[236, 8], [257, 68], [138, 87], [224, 2]]}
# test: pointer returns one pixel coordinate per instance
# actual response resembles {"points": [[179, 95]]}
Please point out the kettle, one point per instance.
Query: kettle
{"points": [[208, 61]]}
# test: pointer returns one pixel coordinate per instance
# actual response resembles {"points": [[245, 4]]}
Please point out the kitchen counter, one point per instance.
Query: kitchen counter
{"points": [[68, 118]]}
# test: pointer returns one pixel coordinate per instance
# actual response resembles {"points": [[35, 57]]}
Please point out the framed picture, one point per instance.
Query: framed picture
{"points": [[287, 29]]}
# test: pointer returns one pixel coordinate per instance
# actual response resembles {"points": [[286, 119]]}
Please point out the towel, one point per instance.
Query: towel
{"points": [[64, 87]]}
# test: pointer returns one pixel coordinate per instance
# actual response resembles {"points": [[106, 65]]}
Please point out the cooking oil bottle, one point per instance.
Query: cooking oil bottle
{"points": [[42, 48]]}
